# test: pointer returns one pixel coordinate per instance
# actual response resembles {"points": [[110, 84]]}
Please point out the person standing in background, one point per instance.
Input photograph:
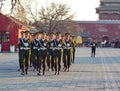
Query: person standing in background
{"points": [[93, 48]]}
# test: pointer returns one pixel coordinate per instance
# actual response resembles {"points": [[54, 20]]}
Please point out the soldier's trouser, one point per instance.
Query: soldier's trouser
{"points": [[93, 51], [39, 63], [35, 58], [19, 54], [57, 60], [67, 58], [73, 55], [24, 60], [42, 60], [51, 59]]}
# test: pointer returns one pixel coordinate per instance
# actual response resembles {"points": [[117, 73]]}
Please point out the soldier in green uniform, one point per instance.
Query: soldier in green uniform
{"points": [[74, 44], [67, 52], [34, 51], [42, 53], [25, 46], [51, 51], [58, 53], [20, 49]]}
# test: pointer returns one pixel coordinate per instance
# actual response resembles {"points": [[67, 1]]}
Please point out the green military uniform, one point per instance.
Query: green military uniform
{"points": [[25, 46], [20, 50], [51, 52], [42, 54], [73, 42], [34, 52], [67, 52], [58, 53]]}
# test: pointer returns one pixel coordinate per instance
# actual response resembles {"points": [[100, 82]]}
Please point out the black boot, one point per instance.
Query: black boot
{"points": [[55, 72]]}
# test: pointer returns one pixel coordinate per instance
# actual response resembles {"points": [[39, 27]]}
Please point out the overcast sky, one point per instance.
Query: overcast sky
{"points": [[83, 9]]}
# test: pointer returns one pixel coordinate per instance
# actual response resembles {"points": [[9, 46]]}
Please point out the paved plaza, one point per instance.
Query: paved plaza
{"points": [[101, 73]]}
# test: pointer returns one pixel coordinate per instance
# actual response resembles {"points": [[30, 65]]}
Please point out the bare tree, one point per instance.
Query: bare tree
{"points": [[1, 2], [53, 17], [19, 12], [13, 4], [15, 9]]}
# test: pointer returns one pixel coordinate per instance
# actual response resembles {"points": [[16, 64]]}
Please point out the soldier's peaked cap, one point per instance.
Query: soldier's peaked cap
{"points": [[67, 33], [26, 32], [35, 33], [43, 32], [51, 33], [22, 32], [58, 33]]}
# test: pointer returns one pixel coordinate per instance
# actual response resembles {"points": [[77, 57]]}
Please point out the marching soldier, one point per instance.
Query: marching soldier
{"points": [[67, 52], [51, 52], [20, 49], [34, 51], [42, 53], [58, 53], [73, 42], [25, 46]]}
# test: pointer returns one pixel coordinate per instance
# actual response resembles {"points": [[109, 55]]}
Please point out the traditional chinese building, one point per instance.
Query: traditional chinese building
{"points": [[108, 25], [109, 10], [10, 30]]}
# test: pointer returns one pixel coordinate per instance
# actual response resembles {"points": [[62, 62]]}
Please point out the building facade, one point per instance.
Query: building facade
{"points": [[109, 10], [107, 28], [9, 32]]}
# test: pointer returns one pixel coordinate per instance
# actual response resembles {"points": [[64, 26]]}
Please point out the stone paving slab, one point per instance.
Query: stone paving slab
{"points": [[101, 73]]}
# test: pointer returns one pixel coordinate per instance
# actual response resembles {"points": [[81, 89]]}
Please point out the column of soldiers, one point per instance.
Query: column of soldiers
{"points": [[46, 52]]}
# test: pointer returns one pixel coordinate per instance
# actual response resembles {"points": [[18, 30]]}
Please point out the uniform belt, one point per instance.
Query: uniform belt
{"points": [[41, 49], [58, 48], [51, 48], [67, 48], [26, 48], [21, 48]]}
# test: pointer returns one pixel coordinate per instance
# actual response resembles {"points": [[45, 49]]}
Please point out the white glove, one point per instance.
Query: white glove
{"points": [[68, 45], [44, 44], [26, 44], [51, 44], [59, 45]]}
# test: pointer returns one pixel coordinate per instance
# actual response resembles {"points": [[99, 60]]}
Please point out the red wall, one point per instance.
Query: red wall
{"points": [[109, 16], [7, 24], [98, 30]]}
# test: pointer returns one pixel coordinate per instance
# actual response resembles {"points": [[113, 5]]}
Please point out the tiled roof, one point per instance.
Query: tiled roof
{"points": [[22, 26], [101, 22], [110, 8], [110, 0]]}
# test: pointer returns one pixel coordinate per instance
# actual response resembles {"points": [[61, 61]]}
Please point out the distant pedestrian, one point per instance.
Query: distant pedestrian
{"points": [[93, 48]]}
